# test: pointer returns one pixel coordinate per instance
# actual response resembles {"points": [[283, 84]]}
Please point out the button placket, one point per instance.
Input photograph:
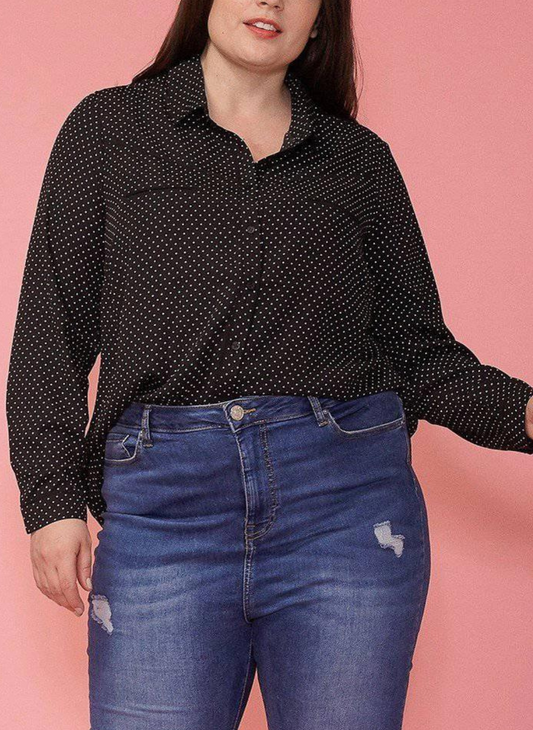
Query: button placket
{"points": [[238, 327]]}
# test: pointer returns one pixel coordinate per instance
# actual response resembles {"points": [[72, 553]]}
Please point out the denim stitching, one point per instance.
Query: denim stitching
{"points": [[272, 489], [249, 546], [131, 458], [145, 427], [318, 410], [389, 426], [247, 578], [274, 419]]}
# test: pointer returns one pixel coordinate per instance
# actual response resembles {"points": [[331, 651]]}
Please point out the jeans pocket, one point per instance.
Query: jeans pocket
{"points": [[366, 416], [122, 448]]}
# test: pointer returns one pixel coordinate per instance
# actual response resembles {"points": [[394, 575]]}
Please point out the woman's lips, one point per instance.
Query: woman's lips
{"points": [[261, 32]]}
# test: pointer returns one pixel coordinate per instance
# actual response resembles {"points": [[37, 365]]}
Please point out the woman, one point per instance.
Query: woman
{"points": [[244, 256]]}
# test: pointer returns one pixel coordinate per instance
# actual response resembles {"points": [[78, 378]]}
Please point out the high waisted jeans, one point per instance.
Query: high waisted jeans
{"points": [[286, 535]]}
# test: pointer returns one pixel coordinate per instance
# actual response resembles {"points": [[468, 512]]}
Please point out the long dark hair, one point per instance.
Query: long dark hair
{"points": [[328, 65]]}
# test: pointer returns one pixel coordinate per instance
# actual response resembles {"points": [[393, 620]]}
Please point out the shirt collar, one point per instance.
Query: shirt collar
{"points": [[185, 92]]}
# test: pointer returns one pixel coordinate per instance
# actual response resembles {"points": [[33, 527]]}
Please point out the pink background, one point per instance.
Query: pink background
{"points": [[448, 85]]}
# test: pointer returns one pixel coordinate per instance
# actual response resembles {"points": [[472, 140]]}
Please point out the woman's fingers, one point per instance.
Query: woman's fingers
{"points": [[58, 552], [84, 565], [66, 584]]}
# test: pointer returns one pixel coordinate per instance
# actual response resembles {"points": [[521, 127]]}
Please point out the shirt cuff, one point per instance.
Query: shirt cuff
{"points": [[514, 418], [55, 496]]}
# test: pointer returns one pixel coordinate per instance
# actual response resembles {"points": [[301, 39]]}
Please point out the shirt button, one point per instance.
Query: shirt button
{"points": [[236, 412], [250, 285], [235, 345], [251, 229]]}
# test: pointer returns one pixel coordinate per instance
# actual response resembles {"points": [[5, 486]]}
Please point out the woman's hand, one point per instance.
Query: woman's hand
{"points": [[529, 418], [61, 555]]}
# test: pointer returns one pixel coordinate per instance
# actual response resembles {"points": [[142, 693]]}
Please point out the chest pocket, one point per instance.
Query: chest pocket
{"points": [[166, 217], [339, 192], [137, 174], [182, 178], [324, 190]]}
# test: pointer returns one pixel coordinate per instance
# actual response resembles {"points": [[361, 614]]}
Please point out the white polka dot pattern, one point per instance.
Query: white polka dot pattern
{"points": [[202, 275]]}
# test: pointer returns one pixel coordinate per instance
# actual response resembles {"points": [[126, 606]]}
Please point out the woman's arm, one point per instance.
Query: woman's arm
{"points": [[56, 338], [443, 381]]}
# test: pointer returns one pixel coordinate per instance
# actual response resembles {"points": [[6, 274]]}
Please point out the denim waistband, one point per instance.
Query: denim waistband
{"points": [[236, 413]]}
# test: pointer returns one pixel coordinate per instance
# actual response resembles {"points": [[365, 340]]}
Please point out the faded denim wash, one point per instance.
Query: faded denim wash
{"points": [[280, 535]]}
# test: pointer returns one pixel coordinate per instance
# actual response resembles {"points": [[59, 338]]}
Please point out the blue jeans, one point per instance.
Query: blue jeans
{"points": [[286, 535]]}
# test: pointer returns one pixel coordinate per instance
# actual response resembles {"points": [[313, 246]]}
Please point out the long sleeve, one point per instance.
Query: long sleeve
{"points": [[56, 337], [443, 382]]}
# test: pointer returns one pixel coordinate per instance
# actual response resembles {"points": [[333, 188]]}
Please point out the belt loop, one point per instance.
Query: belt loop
{"points": [[318, 410], [145, 427]]}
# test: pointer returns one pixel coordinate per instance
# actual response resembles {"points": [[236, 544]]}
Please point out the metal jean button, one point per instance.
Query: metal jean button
{"points": [[237, 412]]}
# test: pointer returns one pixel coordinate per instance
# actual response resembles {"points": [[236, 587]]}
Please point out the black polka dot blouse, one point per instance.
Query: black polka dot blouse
{"points": [[200, 275]]}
